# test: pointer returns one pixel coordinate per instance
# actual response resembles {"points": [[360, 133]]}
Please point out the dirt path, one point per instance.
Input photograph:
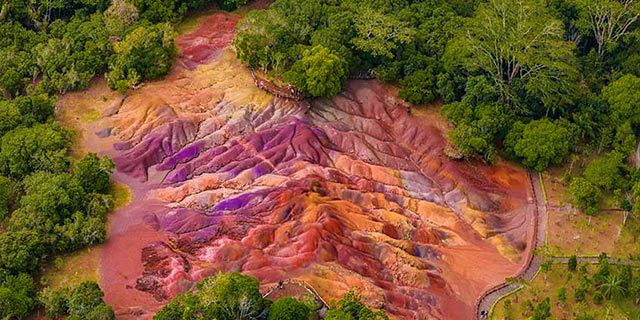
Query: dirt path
{"points": [[493, 295]]}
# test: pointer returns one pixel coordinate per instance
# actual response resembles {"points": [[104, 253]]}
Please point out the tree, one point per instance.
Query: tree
{"points": [[157, 11], [84, 299], [10, 117], [82, 302], [545, 267], [53, 196], [264, 40], [607, 20], [318, 72], [15, 296], [562, 294], [145, 53], [8, 196], [418, 87], [518, 45], [539, 143], [613, 286], [623, 97], [34, 109], [80, 231], [479, 120], [573, 263], [92, 173], [379, 34], [543, 310], [54, 302], [230, 5], [606, 171], [41, 147], [231, 296], [123, 11], [182, 307], [351, 307], [585, 195], [21, 251], [288, 308]]}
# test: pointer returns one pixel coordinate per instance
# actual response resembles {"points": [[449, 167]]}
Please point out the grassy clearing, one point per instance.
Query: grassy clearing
{"points": [[520, 304], [190, 22], [121, 194], [573, 232], [193, 19], [72, 269]]}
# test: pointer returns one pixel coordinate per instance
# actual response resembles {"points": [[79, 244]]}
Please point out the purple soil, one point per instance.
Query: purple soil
{"points": [[345, 192]]}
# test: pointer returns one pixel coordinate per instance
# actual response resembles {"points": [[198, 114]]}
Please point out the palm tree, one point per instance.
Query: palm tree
{"points": [[612, 287]]}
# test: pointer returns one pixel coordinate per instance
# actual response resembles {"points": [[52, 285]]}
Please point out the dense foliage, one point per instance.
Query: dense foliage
{"points": [[82, 302], [288, 308], [234, 296], [399, 40], [225, 297], [145, 53], [48, 204]]}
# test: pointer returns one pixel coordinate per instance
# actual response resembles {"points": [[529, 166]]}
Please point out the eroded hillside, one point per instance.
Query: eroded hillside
{"points": [[347, 192]]}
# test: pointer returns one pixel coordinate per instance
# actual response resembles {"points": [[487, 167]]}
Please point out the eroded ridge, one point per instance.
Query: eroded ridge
{"points": [[348, 192], [344, 192]]}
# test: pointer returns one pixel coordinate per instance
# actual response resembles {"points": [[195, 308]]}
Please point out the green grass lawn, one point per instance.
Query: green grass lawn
{"points": [[573, 232], [519, 305]]}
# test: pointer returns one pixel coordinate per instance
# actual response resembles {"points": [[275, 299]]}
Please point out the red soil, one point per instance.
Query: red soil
{"points": [[214, 33], [347, 192]]}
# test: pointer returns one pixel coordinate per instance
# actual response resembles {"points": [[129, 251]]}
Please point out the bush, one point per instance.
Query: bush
{"points": [[16, 294], [585, 195], [539, 143], [318, 73], [41, 147], [288, 308], [145, 53], [572, 265], [606, 171], [93, 173]]}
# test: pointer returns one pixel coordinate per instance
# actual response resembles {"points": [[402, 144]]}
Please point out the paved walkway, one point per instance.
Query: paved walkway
{"points": [[489, 298]]}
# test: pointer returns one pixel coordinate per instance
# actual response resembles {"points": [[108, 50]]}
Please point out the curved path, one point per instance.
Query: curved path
{"points": [[491, 296], [494, 294]]}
